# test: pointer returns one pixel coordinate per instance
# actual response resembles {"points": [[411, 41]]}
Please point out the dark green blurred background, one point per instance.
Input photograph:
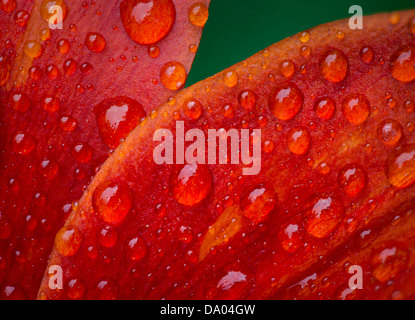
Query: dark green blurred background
{"points": [[237, 29]]}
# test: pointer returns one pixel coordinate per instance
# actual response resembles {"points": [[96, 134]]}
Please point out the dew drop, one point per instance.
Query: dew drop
{"points": [[333, 66], [5, 69], [75, 289], [23, 143], [247, 99], [33, 48], [304, 36], [48, 168], [324, 108], [285, 101], [35, 73], [356, 108], [106, 289], [68, 123], [298, 140], [85, 68], [192, 108], [290, 237], [287, 68], [95, 41], [190, 183], [153, 51], [112, 201], [69, 66], [198, 14], [107, 236], [45, 34], [231, 79], [258, 202], [116, 118], [323, 214], [19, 101], [388, 261], [400, 166], [352, 179], [366, 54], [21, 18], [135, 249], [147, 21], [403, 64], [52, 72], [50, 103], [390, 131], [63, 46], [81, 152], [68, 240], [173, 75]]}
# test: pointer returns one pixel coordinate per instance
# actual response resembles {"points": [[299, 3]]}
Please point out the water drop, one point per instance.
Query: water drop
{"points": [[50, 103], [68, 123], [33, 49], [366, 54], [388, 261], [23, 143], [19, 101], [247, 99], [390, 131], [75, 289], [63, 46], [192, 108], [106, 289], [198, 14], [298, 140], [173, 75], [135, 249], [285, 101], [334, 65], [258, 202], [231, 78], [352, 179], [403, 64], [81, 152], [290, 237], [48, 168], [21, 18], [69, 66], [107, 236], [400, 166], [356, 108], [95, 41], [68, 240], [287, 68], [324, 108]]}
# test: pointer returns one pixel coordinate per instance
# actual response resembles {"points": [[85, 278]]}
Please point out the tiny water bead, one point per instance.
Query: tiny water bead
{"points": [[285, 101], [198, 14], [107, 236], [192, 108], [173, 75], [290, 237], [356, 108], [95, 41], [323, 214], [81, 152], [68, 241], [52, 72], [116, 118], [333, 65], [85, 67], [47, 15], [287, 68], [403, 64], [45, 34], [23, 143], [21, 18], [147, 21], [190, 183], [153, 51], [5, 69], [75, 289], [8, 5], [258, 202], [388, 261], [33, 48], [19, 101], [135, 249], [298, 140], [67, 123], [366, 54], [304, 36], [324, 108], [352, 179], [63, 46], [247, 99], [231, 78], [400, 166], [112, 201], [50, 103], [390, 131]]}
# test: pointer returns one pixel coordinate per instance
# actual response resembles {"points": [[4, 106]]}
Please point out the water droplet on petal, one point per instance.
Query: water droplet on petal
{"points": [[106, 289], [403, 64], [352, 179], [81, 152], [107, 236], [33, 49], [333, 65], [135, 249], [63, 46], [298, 140], [153, 51], [192, 108], [173, 75], [5, 69], [68, 123], [147, 21], [68, 240], [112, 201], [258, 202], [190, 183], [287, 68], [198, 14], [116, 118], [231, 79], [247, 99], [367, 54], [388, 261], [50, 103], [324, 108], [69, 66], [23, 143], [323, 214], [290, 237], [356, 108], [21, 18], [390, 131], [285, 101], [19, 101], [75, 289], [95, 41], [400, 166]]}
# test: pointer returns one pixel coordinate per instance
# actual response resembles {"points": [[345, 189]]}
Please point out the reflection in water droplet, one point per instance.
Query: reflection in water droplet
{"points": [[285, 101], [400, 166]]}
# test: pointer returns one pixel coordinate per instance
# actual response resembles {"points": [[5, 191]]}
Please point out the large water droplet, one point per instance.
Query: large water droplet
{"points": [[68, 240], [356, 108], [400, 166], [258, 202], [403, 64], [198, 14], [116, 118], [352, 179], [147, 21], [323, 214], [333, 65], [112, 201], [190, 183], [285, 101]]}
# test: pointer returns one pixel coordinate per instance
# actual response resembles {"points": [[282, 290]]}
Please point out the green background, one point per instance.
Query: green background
{"points": [[237, 29]]}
